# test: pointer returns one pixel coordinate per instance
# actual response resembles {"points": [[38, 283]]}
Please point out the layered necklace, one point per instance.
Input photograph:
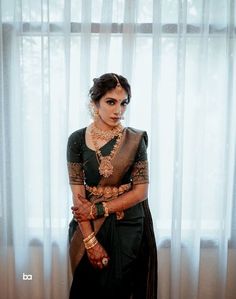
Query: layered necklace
{"points": [[105, 165]]}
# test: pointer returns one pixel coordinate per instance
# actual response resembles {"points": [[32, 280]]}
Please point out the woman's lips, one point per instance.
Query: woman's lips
{"points": [[116, 118]]}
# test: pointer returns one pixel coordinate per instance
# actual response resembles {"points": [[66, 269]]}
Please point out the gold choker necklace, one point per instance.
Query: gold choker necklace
{"points": [[106, 135], [105, 167]]}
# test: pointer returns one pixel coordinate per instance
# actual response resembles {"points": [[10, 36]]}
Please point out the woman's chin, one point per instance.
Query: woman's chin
{"points": [[114, 122], [109, 124]]}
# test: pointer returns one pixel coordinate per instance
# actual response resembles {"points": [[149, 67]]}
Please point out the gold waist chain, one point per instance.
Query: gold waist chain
{"points": [[109, 193]]}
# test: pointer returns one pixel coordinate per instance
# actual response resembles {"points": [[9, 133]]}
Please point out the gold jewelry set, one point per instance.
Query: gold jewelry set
{"points": [[106, 135], [106, 170], [105, 165]]}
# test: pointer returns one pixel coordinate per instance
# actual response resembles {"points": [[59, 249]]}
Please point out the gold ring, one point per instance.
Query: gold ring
{"points": [[105, 261]]}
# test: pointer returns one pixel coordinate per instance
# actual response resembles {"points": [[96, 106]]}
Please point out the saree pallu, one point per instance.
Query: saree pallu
{"points": [[129, 242]]}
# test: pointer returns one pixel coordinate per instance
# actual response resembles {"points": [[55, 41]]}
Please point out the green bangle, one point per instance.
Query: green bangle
{"points": [[100, 209]]}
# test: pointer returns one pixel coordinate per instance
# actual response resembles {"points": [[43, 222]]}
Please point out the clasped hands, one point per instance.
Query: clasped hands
{"points": [[84, 211]]}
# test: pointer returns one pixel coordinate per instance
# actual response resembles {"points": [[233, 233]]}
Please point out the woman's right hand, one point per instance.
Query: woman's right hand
{"points": [[97, 255]]}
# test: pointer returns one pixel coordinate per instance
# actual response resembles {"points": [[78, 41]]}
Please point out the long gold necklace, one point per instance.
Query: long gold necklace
{"points": [[105, 167]]}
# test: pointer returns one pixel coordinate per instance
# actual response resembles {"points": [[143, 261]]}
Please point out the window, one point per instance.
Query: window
{"points": [[180, 77]]}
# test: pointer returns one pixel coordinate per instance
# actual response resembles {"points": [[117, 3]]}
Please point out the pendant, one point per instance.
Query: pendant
{"points": [[106, 168]]}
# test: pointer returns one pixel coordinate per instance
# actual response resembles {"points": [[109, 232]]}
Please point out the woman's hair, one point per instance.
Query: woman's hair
{"points": [[107, 82]]}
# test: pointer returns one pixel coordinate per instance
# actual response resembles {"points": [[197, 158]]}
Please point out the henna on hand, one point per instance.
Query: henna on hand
{"points": [[84, 211], [96, 254]]}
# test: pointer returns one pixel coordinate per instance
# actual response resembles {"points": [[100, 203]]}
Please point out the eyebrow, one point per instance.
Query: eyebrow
{"points": [[109, 98]]}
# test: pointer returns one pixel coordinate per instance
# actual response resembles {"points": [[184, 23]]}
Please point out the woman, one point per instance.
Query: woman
{"points": [[112, 246]]}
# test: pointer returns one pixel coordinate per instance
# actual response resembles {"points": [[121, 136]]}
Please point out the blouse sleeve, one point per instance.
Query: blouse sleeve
{"points": [[74, 160], [139, 173]]}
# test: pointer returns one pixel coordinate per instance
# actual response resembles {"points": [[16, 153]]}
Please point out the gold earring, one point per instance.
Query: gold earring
{"points": [[93, 111], [95, 114]]}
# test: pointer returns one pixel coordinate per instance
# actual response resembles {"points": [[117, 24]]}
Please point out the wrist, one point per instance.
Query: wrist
{"points": [[105, 208], [90, 241], [85, 228], [101, 209], [93, 213]]}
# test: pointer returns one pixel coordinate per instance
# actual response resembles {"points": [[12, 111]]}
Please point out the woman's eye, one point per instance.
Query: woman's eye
{"points": [[110, 102], [125, 103]]}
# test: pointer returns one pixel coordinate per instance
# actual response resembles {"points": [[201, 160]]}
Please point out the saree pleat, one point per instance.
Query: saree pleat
{"points": [[152, 263]]}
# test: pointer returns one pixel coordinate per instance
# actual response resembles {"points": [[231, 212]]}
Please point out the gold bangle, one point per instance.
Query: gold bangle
{"points": [[88, 237], [105, 207], [91, 211], [91, 246], [91, 243]]}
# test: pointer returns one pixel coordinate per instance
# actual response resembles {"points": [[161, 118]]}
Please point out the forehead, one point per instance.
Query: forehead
{"points": [[116, 93]]}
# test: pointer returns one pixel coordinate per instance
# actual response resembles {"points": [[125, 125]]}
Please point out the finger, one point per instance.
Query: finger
{"points": [[74, 214], [95, 264], [81, 198], [100, 265]]}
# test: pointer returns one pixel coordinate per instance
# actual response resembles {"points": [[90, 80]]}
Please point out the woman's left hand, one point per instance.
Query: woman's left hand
{"points": [[82, 212]]}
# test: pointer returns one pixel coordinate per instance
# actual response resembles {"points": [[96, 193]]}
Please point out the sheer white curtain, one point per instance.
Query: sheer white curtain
{"points": [[179, 57]]}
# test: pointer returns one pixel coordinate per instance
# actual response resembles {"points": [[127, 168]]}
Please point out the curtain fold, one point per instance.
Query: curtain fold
{"points": [[176, 229], [179, 57], [104, 37]]}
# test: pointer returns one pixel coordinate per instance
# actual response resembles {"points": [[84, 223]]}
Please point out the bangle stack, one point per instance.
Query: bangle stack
{"points": [[90, 241], [101, 209]]}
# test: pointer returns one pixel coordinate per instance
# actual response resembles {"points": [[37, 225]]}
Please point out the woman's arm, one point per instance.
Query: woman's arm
{"points": [[85, 226], [129, 199], [97, 253]]}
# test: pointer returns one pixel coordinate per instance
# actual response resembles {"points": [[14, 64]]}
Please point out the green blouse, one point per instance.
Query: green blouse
{"points": [[83, 164]]}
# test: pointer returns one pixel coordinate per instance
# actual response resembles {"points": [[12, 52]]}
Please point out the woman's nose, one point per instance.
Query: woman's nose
{"points": [[118, 111]]}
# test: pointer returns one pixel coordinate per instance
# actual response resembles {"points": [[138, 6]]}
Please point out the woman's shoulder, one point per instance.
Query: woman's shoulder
{"points": [[77, 137], [137, 132], [77, 134]]}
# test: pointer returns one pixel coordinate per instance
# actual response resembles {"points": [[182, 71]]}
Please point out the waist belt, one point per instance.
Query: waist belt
{"points": [[108, 191]]}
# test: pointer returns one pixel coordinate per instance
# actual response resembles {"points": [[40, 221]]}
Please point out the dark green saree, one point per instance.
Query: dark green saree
{"points": [[130, 242]]}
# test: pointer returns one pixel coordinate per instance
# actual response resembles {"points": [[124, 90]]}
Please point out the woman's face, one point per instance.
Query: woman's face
{"points": [[111, 108]]}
